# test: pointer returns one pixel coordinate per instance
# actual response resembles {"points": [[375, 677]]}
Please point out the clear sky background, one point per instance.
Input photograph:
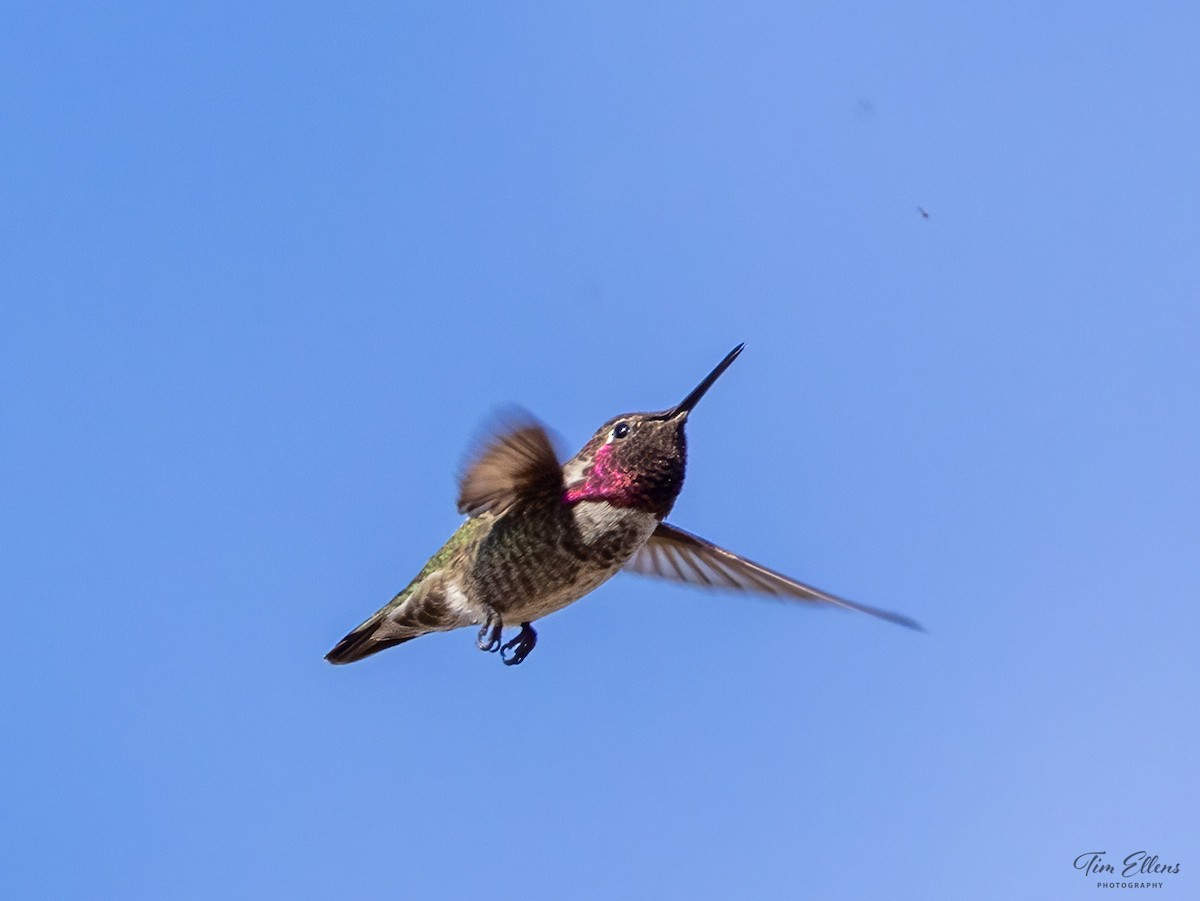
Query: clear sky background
{"points": [[266, 268]]}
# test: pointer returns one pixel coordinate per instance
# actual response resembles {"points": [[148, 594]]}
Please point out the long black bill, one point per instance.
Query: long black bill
{"points": [[685, 406]]}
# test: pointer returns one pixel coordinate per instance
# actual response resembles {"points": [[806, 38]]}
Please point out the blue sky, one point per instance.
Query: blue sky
{"points": [[268, 267]]}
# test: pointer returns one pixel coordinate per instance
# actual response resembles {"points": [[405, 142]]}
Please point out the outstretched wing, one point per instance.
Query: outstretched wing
{"points": [[518, 461], [672, 553]]}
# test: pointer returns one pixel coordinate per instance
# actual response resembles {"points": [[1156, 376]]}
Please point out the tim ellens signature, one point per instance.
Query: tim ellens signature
{"points": [[1139, 863]]}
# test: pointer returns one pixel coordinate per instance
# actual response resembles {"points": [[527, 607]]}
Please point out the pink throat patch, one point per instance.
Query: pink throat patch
{"points": [[605, 482]]}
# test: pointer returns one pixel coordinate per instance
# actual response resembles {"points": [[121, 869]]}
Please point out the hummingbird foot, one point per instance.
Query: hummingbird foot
{"points": [[520, 646], [489, 635]]}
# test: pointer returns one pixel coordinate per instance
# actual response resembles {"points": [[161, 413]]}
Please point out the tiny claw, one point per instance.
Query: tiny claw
{"points": [[490, 645], [489, 634], [520, 646]]}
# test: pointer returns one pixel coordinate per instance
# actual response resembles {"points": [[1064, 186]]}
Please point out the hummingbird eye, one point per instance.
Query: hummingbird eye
{"points": [[620, 430]]}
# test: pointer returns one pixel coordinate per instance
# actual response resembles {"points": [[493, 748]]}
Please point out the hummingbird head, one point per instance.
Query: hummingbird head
{"points": [[638, 459]]}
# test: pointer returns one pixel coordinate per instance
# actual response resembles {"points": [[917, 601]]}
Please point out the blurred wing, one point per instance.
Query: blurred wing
{"points": [[674, 554], [515, 463]]}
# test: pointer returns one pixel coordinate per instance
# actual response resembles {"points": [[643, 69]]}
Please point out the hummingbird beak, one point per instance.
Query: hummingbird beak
{"points": [[685, 406]]}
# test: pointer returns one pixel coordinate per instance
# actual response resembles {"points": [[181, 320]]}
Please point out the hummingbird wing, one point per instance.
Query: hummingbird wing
{"points": [[515, 463], [672, 553]]}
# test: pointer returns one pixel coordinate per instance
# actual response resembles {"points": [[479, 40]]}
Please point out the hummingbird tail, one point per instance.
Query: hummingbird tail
{"points": [[366, 640]]}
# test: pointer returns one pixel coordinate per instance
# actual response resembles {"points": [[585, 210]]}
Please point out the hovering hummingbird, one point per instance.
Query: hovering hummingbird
{"points": [[539, 536]]}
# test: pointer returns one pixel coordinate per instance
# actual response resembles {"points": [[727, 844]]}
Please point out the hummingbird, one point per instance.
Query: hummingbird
{"points": [[540, 535]]}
